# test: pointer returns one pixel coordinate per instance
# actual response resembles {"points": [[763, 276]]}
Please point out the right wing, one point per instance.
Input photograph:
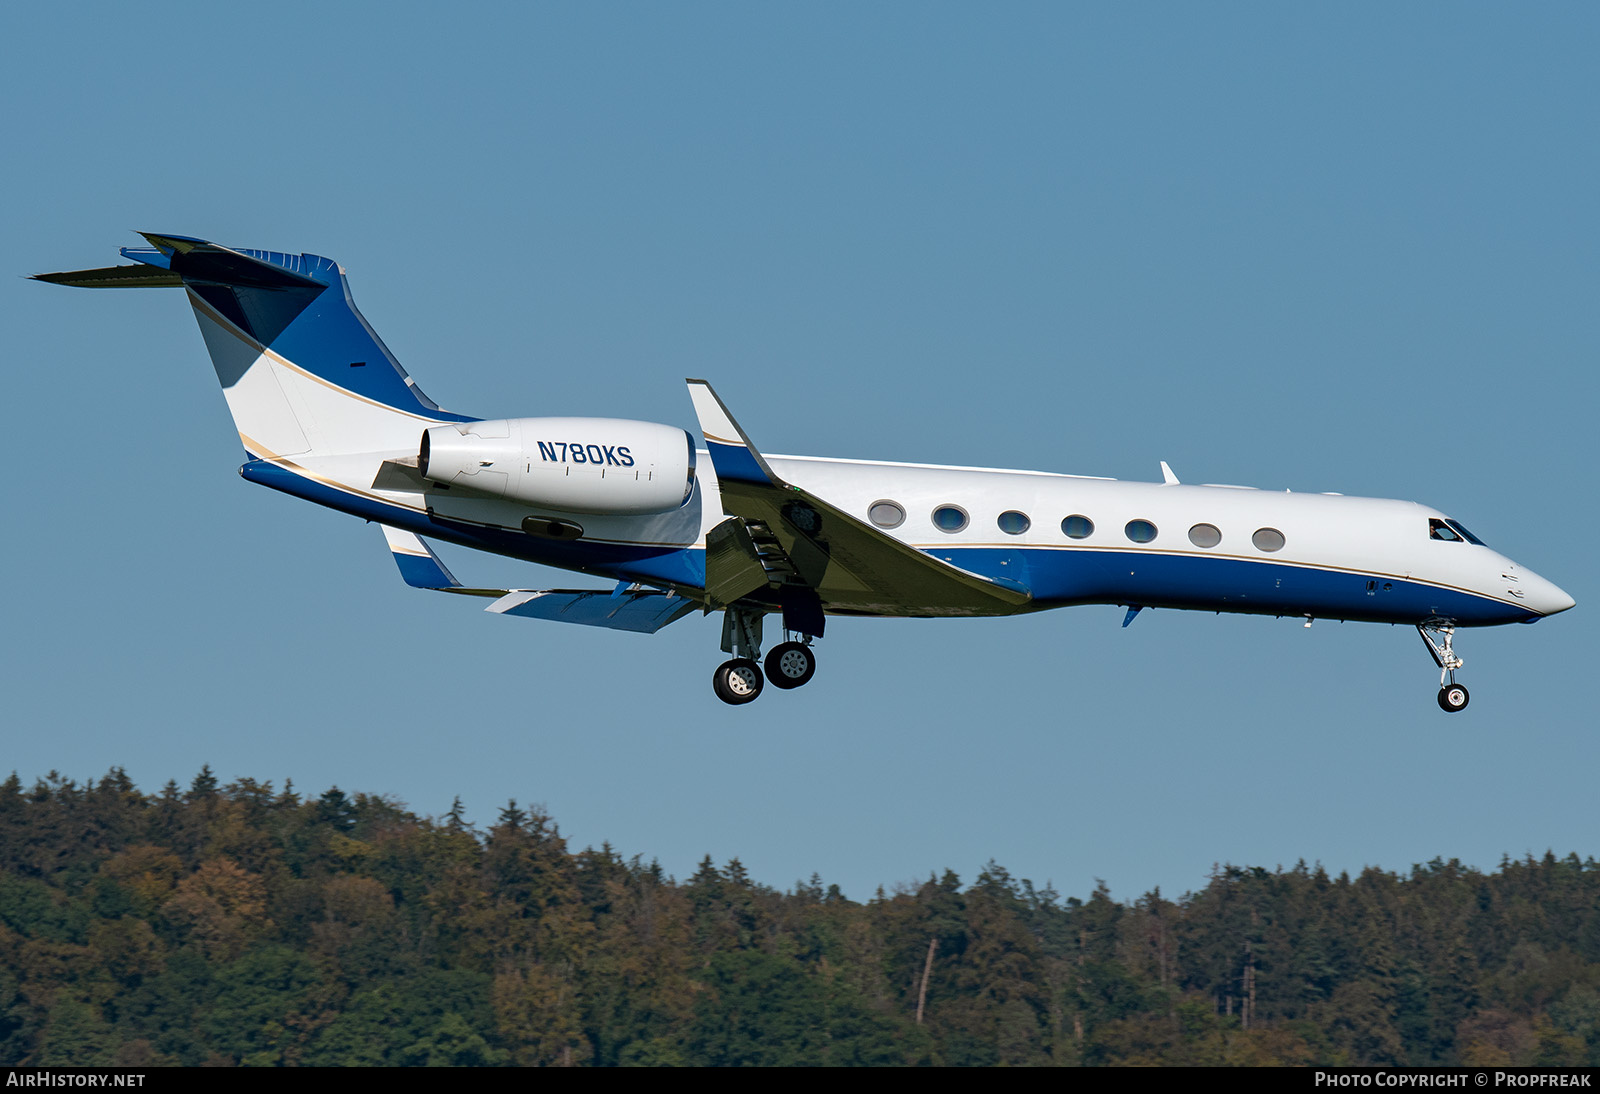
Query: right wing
{"points": [[625, 608], [851, 565]]}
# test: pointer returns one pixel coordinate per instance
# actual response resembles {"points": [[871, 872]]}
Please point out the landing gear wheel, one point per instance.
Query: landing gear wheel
{"points": [[1453, 697], [790, 664], [738, 681]]}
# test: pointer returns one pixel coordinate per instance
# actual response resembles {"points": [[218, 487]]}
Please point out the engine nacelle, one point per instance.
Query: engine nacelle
{"points": [[575, 465]]}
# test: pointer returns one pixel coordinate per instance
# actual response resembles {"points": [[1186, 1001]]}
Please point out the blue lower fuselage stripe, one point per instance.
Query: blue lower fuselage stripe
{"points": [[1057, 577], [1063, 576]]}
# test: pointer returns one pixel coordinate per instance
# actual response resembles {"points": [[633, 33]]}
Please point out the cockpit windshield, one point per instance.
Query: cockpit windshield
{"points": [[1451, 531]]}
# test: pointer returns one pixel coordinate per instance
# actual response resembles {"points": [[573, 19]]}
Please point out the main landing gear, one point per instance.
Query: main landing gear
{"points": [[1439, 636], [789, 664], [737, 681]]}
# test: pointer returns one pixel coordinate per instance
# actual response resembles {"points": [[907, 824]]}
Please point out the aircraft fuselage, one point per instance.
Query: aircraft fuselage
{"points": [[1353, 558]]}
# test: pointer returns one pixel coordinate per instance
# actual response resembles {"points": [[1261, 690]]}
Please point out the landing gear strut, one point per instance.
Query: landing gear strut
{"points": [[740, 680], [1439, 638]]}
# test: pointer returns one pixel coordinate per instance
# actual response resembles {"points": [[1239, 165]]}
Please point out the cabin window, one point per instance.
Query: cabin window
{"points": [[1077, 526], [1205, 535], [886, 514], [1013, 523], [1140, 531], [950, 518], [1268, 539], [1438, 529]]}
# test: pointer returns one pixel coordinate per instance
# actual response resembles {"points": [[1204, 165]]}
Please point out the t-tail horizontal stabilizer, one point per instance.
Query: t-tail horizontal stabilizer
{"points": [[290, 349]]}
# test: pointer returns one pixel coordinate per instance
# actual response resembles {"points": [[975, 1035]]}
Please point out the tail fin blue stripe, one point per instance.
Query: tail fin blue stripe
{"points": [[300, 307]]}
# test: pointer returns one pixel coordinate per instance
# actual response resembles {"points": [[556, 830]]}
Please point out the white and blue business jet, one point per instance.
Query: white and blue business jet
{"points": [[327, 414]]}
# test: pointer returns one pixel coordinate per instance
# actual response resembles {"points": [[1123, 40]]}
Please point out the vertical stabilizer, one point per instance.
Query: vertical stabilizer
{"points": [[302, 370]]}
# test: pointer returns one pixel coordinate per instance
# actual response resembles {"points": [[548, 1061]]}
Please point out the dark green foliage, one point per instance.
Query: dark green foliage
{"points": [[764, 1010], [260, 1004], [35, 910], [336, 811], [433, 1019], [241, 925], [76, 1035]]}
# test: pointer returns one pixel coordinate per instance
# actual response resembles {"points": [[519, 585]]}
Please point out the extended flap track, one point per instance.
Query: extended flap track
{"points": [[745, 557], [780, 569]]}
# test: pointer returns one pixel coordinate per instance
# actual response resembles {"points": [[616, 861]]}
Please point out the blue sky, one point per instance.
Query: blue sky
{"points": [[1345, 248]]}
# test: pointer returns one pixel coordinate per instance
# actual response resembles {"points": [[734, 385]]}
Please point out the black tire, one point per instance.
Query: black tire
{"points": [[1453, 697], [790, 664], [737, 682]]}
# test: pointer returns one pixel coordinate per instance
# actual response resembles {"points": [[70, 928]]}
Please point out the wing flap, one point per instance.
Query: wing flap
{"points": [[733, 566]]}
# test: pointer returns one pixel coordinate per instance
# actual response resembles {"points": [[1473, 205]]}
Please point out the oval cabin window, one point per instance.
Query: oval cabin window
{"points": [[886, 514], [1013, 523], [1268, 539]]}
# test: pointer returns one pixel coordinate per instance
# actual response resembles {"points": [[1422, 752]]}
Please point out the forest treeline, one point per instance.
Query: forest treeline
{"points": [[241, 924]]}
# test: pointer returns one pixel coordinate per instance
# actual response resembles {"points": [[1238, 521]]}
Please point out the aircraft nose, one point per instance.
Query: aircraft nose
{"points": [[1546, 597]]}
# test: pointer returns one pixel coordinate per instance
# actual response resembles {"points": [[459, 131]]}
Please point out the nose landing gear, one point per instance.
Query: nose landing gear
{"points": [[1439, 637], [1453, 697], [738, 681]]}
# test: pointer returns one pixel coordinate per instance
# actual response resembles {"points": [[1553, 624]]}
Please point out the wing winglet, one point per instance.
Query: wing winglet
{"points": [[419, 566], [732, 454]]}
